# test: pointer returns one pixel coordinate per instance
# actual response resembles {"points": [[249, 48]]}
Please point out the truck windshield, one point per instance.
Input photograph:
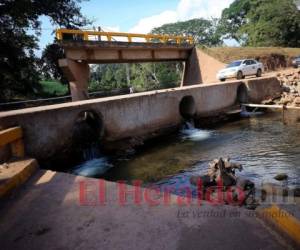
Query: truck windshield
{"points": [[234, 64]]}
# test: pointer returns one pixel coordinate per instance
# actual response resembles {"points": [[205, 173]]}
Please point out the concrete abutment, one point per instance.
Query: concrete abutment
{"points": [[192, 72]]}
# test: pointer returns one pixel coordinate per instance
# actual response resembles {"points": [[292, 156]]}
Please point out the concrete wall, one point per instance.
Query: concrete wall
{"points": [[209, 66], [257, 91], [48, 130]]}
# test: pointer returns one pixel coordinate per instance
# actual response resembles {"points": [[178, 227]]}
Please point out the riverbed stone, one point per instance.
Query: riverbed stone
{"points": [[281, 177]]}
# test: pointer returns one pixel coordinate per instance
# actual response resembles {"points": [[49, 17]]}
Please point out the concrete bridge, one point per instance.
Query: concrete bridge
{"points": [[53, 130], [91, 47]]}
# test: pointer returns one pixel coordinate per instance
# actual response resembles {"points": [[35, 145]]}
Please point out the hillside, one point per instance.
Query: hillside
{"points": [[272, 57]]}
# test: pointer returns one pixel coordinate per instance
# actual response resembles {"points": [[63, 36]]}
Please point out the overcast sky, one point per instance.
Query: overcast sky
{"points": [[140, 16]]}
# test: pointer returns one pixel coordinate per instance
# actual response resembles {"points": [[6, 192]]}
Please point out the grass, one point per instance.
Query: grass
{"points": [[228, 54], [53, 88]]}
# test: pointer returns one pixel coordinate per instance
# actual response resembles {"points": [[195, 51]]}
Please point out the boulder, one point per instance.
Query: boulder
{"points": [[281, 177]]}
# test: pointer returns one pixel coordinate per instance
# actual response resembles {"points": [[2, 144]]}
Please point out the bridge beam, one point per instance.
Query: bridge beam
{"points": [[78, 75]]}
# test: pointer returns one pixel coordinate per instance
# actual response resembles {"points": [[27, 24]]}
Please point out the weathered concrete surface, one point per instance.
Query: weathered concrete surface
{"points": [[78, 75], [48, 130], [258, 92], [124, 52], [192, 73], [15, 174], [47, 214]]}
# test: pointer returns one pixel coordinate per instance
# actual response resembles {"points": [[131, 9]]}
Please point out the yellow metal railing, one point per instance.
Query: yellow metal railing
{"points": [[86, 35], [13, 136]]}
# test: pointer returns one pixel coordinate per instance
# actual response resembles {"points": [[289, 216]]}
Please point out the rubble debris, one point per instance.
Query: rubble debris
{"points": [[290, 83]]}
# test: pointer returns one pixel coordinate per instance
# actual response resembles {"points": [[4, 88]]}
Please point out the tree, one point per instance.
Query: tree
{"points": [[233, 18], [263, 22], [142, 76], [49, 62], [203, 31], [19, 31]]}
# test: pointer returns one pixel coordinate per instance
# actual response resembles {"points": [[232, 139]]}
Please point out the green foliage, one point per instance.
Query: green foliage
{"points": [[19, 31], [49, 62], [141, 76], [233, 18], [108, 77], [203, 31], [262, 22], [53, 88]]}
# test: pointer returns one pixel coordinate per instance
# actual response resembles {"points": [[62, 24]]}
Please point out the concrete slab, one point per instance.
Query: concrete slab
{"points": [[47, 214], [15, 173]]}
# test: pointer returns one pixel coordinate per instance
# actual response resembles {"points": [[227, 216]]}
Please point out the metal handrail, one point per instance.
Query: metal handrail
{"points": [[86, 35]]}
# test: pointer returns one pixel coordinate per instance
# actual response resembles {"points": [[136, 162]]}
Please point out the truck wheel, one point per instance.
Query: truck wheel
{"points": [[258, 74], [239, 75], [222, 80]]}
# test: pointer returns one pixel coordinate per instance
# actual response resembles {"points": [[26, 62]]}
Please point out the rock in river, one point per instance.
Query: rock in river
{"points": [[281, 177]]}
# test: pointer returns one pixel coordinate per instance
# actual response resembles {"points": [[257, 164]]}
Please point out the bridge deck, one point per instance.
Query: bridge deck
{"points": [[119, 52], [124, 45]]}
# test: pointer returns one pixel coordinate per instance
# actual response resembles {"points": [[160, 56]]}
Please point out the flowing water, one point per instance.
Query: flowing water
{"points": [[262, 144]]}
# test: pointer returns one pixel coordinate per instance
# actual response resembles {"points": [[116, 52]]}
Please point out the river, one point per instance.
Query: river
{"points": [[262, 144]]}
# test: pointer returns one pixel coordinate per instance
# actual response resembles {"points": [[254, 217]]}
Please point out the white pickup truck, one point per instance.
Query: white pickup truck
{"points": [[241, 68]]}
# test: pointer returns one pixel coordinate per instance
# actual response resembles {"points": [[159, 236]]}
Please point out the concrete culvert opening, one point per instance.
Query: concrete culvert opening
{"points": [[187, 107], [242, 94], [87, 133]]}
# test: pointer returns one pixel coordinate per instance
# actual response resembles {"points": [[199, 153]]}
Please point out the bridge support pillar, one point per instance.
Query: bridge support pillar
{"points": [[78, 75], [192, 72]]}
